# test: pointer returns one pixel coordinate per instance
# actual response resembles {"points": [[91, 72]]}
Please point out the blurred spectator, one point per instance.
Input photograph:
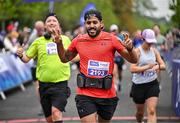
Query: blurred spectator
{"points": [[137, 41], [170, 40], [68, 34], [2, 35], [176, 36], [119, 61], [24, 35], [37, 31], [161, 46], [10, 41], [114, 29], [16, 25], [78, 30], [10, 27], [161, 40]]}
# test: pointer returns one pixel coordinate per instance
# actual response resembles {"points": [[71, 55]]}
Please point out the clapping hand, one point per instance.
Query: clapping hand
{"points": [[20, 51]]}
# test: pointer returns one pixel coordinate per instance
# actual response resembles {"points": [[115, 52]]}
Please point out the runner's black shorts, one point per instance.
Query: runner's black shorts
{"points": [[53, 94], [141, 92], [104, 107]]}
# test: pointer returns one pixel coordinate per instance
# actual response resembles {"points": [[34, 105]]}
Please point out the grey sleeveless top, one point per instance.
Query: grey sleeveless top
{"points": [[148, 75]]}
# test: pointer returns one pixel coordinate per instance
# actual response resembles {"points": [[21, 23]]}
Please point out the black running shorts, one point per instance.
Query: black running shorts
{"points": [[104, 107], [53, 94], [141, 92]]}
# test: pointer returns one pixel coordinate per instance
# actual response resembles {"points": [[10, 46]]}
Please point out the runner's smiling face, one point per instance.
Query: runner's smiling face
{"points": [[52, 22], [93, 26]]}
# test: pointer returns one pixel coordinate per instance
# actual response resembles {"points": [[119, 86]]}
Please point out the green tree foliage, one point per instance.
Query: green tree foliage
{"points": [[25, 13], [120, 12], [175, 5], [70, 12], [123, 10]]}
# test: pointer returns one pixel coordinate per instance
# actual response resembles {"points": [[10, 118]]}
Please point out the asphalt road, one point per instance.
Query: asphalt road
{"points": [[23, 106]]}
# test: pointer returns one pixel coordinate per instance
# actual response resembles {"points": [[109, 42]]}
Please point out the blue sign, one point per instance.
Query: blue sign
{"points": [[176, 86], [88, 7]]}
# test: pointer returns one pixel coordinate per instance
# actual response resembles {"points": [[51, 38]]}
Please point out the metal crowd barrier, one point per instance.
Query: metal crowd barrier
{"points": [[13, 73]]}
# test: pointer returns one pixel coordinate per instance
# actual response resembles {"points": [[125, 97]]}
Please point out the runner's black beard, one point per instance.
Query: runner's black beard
{"points": [[93, 36]]}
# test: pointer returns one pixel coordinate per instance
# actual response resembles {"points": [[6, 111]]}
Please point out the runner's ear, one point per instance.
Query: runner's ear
{"points": [[102, 25]]}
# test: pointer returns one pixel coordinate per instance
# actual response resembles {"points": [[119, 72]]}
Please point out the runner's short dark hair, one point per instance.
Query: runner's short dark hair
{"points": [[94, 13], [50, 14]]}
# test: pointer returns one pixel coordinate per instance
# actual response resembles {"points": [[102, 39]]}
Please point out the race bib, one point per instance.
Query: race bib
{"points": [[51, 48], [98, 68], [148, 73]]}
